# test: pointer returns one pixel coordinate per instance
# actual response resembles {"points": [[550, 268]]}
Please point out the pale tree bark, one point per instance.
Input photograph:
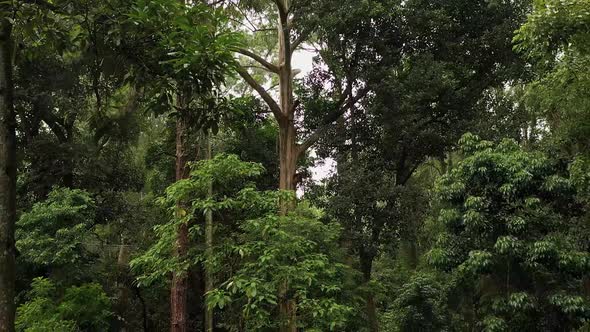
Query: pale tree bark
{"points": [[7, 179], [287, 136], [288, 150]]}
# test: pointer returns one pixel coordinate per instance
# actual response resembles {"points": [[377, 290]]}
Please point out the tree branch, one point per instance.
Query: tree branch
{"points": [[300, 39], [272, 104], [329, 121], [269, 66], [282, 10], [55, 125]]}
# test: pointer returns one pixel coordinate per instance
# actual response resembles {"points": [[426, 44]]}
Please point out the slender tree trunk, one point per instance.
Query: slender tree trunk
{"points": [[372, 313], [144, 310], [179, 289], [288, 150], [209, 248], [288, 155], [7, 180], [366, 262], [123, 290], [68, 177]]}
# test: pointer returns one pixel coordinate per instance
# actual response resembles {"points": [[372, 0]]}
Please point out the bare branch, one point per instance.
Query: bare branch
{"points": [[330, 119], [269, 66], [272, 104]]}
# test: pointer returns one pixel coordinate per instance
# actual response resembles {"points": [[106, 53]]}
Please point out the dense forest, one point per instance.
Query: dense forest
{"points": [[294, 165]]}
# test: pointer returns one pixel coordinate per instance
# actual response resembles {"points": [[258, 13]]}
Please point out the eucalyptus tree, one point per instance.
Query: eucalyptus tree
{"points": [[286, 26]]}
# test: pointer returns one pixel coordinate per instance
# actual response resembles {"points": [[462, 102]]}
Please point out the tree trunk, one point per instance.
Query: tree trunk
{"points": [[122, 285], [68, 177], [372, 313], [287, 310], [288, 150], [144, 310], [291, 313], [288, 155], [209, 248], [179, 289], [7, 180], [366, 262]]}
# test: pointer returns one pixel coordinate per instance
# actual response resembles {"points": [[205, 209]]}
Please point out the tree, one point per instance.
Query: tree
{"points": [[428, 94], [86, 307], [7, 173], [297, 21], [293, 256], [194, 48], [219, 187], [555, 39], [353, 39], [419, 307], [510, 221], [53, 232]]}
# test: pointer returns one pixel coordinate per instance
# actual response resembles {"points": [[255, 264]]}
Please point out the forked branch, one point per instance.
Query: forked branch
{"points": [[268, 99]]}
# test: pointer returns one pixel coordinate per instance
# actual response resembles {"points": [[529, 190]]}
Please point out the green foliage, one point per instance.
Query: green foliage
{"points": [[251, 135], [509, 232], [233, 191], [194, 40], [554, 25], [53, 232], [419, 306], [80, 308], [296, 252], [580, 176], [190, 59], [508, 217], [556, 38]]}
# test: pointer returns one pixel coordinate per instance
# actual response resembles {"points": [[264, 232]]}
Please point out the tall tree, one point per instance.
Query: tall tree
{"points": [[191, 61], [428, 94], [7, 173], [295, 25]]}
